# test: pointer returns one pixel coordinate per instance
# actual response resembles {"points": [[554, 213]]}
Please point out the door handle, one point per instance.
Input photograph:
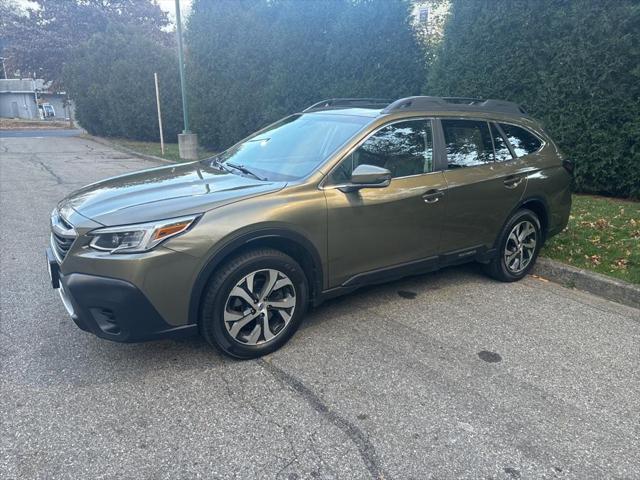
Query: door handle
{"points": [[512, 181], [432, 196]]}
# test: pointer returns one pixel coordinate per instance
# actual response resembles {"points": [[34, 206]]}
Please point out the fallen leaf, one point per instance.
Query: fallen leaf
{"points": [[595, 259], [622, 263]]}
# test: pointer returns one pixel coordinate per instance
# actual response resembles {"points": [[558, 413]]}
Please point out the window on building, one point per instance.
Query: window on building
{"points": [[423, 15]]}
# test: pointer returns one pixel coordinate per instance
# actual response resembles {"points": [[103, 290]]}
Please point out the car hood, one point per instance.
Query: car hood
{"points": [[163, 192]]}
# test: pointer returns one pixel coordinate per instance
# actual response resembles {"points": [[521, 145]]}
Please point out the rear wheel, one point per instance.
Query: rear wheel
{"points": [[254, 303], [518, 247]]}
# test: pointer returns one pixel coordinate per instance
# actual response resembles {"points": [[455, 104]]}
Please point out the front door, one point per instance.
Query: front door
{"points": [[485, 183], [376, 230]]}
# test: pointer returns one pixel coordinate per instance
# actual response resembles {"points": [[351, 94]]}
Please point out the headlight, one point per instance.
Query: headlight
{"points": [[140, 237]]}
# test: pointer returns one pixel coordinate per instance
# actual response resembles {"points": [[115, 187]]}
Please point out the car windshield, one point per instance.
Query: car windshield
{"points": [[293, 147]]}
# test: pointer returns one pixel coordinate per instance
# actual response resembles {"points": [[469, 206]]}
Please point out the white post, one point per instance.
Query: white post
{"points": [[155, 76]]}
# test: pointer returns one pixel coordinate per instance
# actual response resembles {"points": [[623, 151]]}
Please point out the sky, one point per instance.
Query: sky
{"points": [[166, 5], [169, 6]]}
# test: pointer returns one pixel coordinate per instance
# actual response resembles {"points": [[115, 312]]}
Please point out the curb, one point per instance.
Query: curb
{"points": [[595, 283], [144, 156]]}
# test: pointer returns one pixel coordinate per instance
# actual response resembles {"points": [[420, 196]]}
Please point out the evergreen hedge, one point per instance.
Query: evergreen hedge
{"points": [[251, 62], [574, 64], [110, 79]]}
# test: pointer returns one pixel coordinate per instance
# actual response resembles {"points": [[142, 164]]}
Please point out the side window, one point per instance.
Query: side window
{"points": [[468, 143], [522, 141], [404, 148], [502, 150]]}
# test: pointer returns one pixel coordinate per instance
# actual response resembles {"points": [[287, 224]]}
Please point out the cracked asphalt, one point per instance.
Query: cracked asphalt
{"points": [[446, 375]]}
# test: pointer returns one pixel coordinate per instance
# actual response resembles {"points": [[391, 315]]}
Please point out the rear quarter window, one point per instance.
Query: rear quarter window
{"points": [[522, 141]]}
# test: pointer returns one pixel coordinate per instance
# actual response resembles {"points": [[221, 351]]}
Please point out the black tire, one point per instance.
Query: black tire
{"points": [[218, 291], [498, 267]]}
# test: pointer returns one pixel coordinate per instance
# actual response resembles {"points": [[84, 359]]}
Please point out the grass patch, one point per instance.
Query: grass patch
{"points": [[153, 148], [603, 235], [20, 123]]}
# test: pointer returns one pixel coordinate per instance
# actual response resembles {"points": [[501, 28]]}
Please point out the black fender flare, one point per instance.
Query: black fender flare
{"points": [[237, 242], [535, 198]]}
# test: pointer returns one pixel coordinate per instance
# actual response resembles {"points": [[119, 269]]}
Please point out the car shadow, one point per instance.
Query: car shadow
{"points": [[406, 288]]}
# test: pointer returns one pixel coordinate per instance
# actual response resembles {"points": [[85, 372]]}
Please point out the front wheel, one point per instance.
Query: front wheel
{"points": [[518, 247], [254, 303]]}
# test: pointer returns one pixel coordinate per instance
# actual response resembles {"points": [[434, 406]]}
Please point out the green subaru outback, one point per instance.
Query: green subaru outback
{"points": [[347, 193]]}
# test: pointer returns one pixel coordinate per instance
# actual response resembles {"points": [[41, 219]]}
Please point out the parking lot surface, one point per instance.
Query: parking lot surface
{"points": [[447, 375]]}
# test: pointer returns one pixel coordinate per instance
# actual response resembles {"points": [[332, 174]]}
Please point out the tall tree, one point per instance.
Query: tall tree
{"points": [[40, 40], [110, 79], [9, 21]]}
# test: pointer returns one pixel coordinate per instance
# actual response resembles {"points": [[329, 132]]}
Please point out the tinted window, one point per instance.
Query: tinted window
{"points": [[522, 141], [295, 146], [404, 148], [502, 151], [468, 143]]}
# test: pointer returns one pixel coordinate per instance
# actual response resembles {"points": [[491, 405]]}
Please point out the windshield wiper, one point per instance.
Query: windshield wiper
{"points": [[243, 169], [215, 162], [227, 166]]}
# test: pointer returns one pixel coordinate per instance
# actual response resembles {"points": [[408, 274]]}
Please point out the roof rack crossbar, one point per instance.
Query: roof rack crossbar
{"points": [[455, 104], [462, 100], [332, 103]]}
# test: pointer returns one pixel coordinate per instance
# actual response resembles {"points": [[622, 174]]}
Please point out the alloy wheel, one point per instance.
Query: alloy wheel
{"points": [[520, 246], [259, 307]]}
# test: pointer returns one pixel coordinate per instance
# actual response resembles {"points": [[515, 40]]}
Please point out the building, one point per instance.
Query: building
{"points": [[31, 99], [429, 17]]}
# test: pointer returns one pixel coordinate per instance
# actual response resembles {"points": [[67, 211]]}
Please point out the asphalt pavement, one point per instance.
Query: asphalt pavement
{"points": [[446, 375]]}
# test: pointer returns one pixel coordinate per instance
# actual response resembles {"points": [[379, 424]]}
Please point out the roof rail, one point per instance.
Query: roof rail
{"points": [[333, 103], [455, 104]]}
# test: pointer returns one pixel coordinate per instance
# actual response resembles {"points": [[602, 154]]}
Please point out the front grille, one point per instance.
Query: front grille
{"points": [[66, 225], [62, 235], [61, 244]]}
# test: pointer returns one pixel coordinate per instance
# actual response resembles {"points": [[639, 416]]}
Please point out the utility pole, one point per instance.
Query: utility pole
{"points": [[187, 141], [68, 102]]}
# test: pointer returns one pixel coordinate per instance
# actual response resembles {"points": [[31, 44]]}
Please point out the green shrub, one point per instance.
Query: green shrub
{"points": [[574, 64], [110, 79], [251, 62]]}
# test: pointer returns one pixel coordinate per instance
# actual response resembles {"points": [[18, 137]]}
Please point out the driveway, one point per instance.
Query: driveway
{"points": [[447, 375]]}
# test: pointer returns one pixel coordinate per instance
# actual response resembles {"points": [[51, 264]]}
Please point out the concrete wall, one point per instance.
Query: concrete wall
{"points": [[26, 105], [22, 103]]}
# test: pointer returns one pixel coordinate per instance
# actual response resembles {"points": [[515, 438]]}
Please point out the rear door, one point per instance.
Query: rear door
{"points": [[485, 183]]}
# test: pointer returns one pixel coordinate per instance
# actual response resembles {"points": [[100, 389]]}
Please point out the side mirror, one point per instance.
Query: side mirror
{"points": [[368, 176]]}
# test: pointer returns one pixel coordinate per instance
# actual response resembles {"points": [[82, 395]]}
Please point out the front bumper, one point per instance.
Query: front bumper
{"points": [[113, 309]]}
